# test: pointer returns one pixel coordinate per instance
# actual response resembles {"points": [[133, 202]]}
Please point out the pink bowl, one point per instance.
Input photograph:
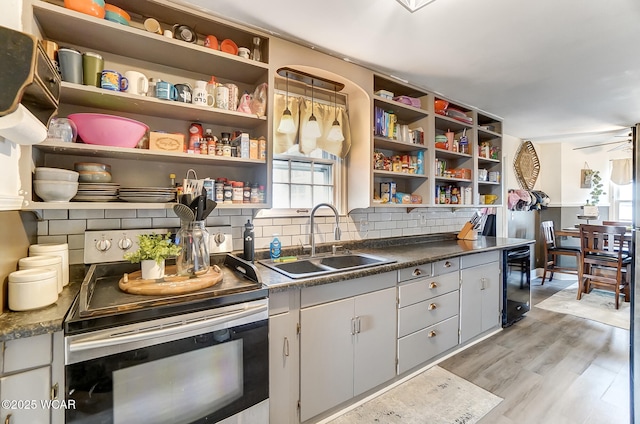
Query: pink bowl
{"points": [[108, 130]]}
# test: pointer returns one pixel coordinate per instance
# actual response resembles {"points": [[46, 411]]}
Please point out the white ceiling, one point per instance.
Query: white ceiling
{"points": [[555, 70]]}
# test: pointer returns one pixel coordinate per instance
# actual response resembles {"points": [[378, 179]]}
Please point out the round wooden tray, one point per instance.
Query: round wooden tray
{"points": [[170, 283]]}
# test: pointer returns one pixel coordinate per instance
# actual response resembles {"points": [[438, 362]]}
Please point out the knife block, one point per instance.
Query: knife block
{"points": [[467, 232]]}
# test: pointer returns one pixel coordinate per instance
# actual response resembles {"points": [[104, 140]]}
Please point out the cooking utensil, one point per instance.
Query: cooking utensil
{"points": [[202, 199], [210, 205], [184, 212]]}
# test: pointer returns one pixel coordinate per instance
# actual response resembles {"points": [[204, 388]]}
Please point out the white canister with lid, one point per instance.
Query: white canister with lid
{"points": [[32, 288], [48, 262], [54, 249]]}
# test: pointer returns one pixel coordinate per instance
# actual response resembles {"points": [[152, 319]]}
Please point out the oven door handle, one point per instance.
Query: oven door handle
{"points": [[137, 336]]}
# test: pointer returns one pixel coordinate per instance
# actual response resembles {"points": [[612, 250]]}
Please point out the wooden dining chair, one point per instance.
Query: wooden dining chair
{"points": [[604, 264], [552, 252]]}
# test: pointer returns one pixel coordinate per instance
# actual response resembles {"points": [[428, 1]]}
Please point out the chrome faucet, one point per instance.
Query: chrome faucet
{"points": [[336, 231]]}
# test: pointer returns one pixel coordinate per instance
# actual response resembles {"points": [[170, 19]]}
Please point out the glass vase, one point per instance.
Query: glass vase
{"points": [[193, 239]]}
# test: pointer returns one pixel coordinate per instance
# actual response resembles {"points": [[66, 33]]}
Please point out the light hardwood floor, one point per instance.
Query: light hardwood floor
{"points": [[551, 368]]}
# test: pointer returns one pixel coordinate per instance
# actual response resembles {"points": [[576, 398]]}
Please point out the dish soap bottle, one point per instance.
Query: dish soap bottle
{"points": [[248, 241], [274, 247]]}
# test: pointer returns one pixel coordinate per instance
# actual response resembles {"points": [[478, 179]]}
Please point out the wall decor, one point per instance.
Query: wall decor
{"points": [[586, 175], [526, 165]]}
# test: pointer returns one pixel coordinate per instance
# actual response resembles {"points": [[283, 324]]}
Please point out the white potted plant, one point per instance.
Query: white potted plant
{"points": [[152, 252]]}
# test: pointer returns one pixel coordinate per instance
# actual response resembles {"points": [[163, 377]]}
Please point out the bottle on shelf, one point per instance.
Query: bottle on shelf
{"points": [[256, 52]]}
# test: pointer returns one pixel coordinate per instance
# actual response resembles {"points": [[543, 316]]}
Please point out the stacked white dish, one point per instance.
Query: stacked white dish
{"points": [[54, 184], [97, 192], [32, 288], [93, 172], [147, 194]]}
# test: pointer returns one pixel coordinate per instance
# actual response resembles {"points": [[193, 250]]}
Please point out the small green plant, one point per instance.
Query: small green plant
{"points": [[157, 247], [596, 188]]}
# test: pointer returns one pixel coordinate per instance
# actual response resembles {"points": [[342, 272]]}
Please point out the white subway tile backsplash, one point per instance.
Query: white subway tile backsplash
{"points": [[70, 226], [55, 214], [76, 241], [155, 213], [76, 256], [120, 213], [43, 228], [137, 223], [165, 222], [103, 224], [86, 213], [52, 239]]}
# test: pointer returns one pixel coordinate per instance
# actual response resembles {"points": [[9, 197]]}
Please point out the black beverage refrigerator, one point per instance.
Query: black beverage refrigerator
{"points": [[516, 275]]}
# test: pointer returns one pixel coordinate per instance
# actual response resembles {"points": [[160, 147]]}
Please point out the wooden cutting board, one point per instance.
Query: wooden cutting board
{"points": [[170, 283]]}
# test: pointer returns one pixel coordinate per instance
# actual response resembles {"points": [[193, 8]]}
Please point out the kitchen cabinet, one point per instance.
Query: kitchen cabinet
{"points": [[480, 290], [32, 374], [132, 48], [347, 344], [428, 309], [284, 357]]}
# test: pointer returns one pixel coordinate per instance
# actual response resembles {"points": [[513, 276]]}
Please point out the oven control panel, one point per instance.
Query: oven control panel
{"points": [[102, 246]]}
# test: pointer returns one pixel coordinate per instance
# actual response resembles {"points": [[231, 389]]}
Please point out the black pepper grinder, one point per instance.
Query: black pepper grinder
{"points": [[248, 241]]}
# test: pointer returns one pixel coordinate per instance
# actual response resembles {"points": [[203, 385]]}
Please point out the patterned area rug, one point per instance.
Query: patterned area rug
{"points": [[435, 396], [599, 305]]}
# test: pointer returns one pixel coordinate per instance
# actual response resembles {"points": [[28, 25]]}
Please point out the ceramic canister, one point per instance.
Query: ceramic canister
{"points": [[32, 289], [47, 262], [54, 249]]}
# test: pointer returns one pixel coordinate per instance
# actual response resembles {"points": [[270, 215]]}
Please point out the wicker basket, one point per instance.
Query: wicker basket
{"points": [[526, 165]]}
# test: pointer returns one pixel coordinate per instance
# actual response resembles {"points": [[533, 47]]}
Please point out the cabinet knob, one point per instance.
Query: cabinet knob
{"points": [[433, 285], [432, 334], [219, 238], [417, 272], [432, 306], [447, 264]]}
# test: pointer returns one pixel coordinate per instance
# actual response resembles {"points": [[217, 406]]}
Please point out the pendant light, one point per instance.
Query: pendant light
{"points": [[312, 128], [335, 133], [287, 126]]}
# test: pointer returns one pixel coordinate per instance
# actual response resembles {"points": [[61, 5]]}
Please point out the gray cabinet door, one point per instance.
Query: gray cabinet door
{"points": [[375, 340], [25, 388], [326, 356], [283, 364], [479, 300]]}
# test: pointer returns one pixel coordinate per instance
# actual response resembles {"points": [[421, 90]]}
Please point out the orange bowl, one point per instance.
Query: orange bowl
{"points": [[88, 7], [116, 9], [441, 106]]}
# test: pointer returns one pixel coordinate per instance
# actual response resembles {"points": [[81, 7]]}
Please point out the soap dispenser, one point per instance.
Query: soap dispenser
{"points": [[249, 238], [275, 247]]}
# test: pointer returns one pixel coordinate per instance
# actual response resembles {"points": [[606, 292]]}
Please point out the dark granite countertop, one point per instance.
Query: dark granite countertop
{"points": [[406, 251]]}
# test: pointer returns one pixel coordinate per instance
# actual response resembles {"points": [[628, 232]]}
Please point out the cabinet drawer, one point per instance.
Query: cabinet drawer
{"points": [[26, 353], [479, 259], [426, 288], [423, 345], [406, 274], [445, 266], [424, 314]]}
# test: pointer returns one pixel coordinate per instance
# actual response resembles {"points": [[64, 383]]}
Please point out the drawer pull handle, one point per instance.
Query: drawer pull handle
{"points": [[432, 334], [7, 420], [417, 272], [286, 347], [447, 264], [432, 306], [433, 285]]}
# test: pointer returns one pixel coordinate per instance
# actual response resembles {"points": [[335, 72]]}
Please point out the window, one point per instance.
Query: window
{"points": [[300, 182], [622, 204]]}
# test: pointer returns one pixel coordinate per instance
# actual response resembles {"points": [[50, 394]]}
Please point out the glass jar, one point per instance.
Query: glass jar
{"points": [[238, 191], [256, 51], [193, 239]]}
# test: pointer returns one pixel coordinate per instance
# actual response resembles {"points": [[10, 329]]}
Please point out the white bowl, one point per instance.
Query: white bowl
{"points": [[56, 174], [55, 191], [94, 177]]}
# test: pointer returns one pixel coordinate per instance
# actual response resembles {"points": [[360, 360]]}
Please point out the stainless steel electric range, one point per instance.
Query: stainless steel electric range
{"points": [[189, 358]]}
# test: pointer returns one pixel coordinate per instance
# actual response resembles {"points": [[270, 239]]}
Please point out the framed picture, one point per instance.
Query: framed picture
{"points": [[585, 178]]}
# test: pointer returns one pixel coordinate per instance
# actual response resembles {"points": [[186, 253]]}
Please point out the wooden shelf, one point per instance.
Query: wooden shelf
{"points": [[454, 180], [127, 205], [395, 145], [448, 154], [444, 122], [406, 114], [64, 25], [488, 183], [391, 174], [487, 160], [82, 149], [84, 95]]}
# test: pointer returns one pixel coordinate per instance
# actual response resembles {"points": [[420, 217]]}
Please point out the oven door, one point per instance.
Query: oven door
{"points": [[191, 368]]}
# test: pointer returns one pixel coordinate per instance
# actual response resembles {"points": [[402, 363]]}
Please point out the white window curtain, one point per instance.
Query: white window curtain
{"points": [[301, 111], [621, 171]]}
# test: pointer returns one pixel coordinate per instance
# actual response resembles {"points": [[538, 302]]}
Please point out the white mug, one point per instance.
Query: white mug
{"points": [[200, 96], [138, 83], [222, 97]]}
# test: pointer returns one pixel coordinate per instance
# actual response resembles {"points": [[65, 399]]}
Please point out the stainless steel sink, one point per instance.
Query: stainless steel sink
{"points": [[311, 267]]}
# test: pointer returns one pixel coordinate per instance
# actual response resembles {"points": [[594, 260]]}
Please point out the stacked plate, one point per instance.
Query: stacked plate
{"points": [[147, 194], [97, 192]]}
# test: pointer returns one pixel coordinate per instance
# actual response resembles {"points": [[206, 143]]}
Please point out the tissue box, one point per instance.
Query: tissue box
{"points": [[168, 142]]}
